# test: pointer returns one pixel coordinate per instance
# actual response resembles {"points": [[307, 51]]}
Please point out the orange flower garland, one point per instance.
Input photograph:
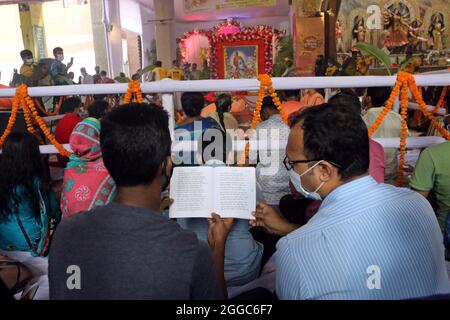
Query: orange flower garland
{"points": [[30, 112], [404, 82], [56, 112], [388, 106], [11, 121], [134, 87], [413, 87], [404, 130], [265, 84], [441, 100]]}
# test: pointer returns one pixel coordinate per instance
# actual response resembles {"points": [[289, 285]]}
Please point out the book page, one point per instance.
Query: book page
{"points": [[235, 192], [191, 188]]}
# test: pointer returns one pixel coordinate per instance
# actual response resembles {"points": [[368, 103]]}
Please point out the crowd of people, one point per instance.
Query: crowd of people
{"points": [[329, 222], [53, 71]]}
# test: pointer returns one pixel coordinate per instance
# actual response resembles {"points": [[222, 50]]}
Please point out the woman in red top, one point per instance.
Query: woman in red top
{"points": [[70, 109]]}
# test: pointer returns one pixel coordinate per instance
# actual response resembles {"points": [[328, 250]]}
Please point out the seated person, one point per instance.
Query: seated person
{"points": [[135, 251], [98, 109], [87, 184], [389, 128], [242, 253], [272, 177], [432, 175], [28, 208], [291, 104], [192, 126], [359, 243], [222, 114], [311, 98], [71, 110]]}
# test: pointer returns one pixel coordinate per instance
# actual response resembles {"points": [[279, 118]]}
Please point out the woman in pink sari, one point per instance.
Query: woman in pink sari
{"points": [[87, 183]]}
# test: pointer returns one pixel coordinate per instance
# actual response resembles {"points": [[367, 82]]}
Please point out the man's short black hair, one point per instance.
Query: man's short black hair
{"points": [[70, 104], [135, 141], [57, 49], [268, 104], [26, 53], [215, 144], [98, 109], [192, 103], [103, 73], [338, 135], [347, 98], [379, 95], [291, 93]]}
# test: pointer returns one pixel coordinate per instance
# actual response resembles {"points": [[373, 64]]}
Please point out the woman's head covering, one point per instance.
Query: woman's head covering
{"points": [[85, 141]]}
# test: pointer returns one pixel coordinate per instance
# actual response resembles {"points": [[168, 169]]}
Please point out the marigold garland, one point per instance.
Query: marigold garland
{"points": [[22, 98], [265, 86], [134, 88], [11, 121], [404, 82], [441, 100], [49, 114], [404, 131]]}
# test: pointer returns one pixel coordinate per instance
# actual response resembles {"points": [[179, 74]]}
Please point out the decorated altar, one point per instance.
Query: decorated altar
{"points": [[230, 50]]}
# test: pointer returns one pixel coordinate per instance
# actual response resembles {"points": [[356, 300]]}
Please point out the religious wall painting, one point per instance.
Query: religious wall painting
{"points": [[197, 5], [240, 62]]}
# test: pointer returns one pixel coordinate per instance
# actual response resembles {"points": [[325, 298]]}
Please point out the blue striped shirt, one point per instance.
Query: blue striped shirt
{"points": [[367, 241]]}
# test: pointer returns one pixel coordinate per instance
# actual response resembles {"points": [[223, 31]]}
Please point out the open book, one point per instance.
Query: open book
{"points": [[199, 191]]}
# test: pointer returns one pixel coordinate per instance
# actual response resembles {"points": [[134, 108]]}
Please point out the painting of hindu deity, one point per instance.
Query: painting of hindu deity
{"points": [[241, 62]]}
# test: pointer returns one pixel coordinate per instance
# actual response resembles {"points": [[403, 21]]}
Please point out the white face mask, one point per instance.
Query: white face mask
{"points": [[60, 57], [29, 62], [297, 182]]}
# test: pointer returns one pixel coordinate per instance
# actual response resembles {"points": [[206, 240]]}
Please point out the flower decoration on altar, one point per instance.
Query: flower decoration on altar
{"points": [[230, 27], [232, 31]]}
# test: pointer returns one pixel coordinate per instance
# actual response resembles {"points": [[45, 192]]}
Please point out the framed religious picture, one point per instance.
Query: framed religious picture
{"points": [[241, 59], [241, 62]]}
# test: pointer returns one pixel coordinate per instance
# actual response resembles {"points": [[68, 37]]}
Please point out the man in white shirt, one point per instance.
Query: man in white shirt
{"points": [[389, 128], [272, 177]]}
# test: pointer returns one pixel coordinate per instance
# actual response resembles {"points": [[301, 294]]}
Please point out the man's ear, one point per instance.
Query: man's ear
{"points": [[168, 165], [327, 170]]}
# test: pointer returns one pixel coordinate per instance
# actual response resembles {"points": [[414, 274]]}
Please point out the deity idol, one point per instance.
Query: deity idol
{"points": [[415, 40], [359, 31], [437, 30], [397, 24], [339, 36]]}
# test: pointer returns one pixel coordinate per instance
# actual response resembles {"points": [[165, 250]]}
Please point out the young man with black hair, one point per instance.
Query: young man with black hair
{"points": [[389, 128], [58, 69], [271, 175], [193, 126], [28, 63], [128, 249], [368, 240]]}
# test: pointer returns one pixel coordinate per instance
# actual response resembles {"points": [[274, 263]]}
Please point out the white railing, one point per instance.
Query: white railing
{"points": [[167, 87], [170, 86]]}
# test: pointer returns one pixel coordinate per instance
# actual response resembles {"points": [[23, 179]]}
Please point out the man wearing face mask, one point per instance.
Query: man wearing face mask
{"points": [[128, 245], [365, 234], [27, 68], [59, 70]]}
